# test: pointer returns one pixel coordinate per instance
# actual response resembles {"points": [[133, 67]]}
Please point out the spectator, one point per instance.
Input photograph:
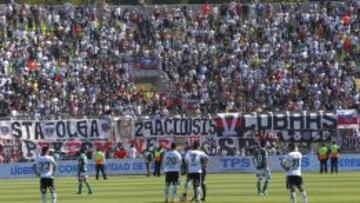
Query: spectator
{"points": [[132, 152], [120, 153], [1, 158]]}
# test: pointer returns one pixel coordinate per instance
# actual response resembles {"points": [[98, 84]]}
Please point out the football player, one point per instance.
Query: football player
{"points": [[82, 172], [172, 168], [292, 165], [45, 168], [263, 173], [194, 160]]}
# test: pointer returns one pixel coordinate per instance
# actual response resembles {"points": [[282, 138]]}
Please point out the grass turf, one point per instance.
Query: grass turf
{"points": [[222, 188]]}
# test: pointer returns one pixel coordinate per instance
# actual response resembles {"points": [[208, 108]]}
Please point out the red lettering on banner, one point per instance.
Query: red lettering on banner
{"points": [[165, 143], [138, 144], [103, 146], [193, 139], [72, 147], [42, 144]]}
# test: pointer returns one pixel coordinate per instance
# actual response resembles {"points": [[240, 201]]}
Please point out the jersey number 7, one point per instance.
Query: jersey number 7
{"points": [[193, 157], [295, 163]]}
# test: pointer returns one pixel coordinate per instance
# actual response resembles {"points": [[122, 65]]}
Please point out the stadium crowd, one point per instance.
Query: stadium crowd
{"points": [[74, 61], [229, 57]]}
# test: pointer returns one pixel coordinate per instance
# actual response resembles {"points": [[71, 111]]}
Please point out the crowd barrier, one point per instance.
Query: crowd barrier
{"points": [[348, 162]]}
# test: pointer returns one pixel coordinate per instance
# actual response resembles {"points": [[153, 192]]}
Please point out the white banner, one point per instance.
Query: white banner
{"points": [[347, 162], [57, 129], [174, 127], [222, 125]]}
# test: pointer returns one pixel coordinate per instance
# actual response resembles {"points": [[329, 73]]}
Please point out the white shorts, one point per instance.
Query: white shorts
{"points": [[263, 174], [83, 176]]}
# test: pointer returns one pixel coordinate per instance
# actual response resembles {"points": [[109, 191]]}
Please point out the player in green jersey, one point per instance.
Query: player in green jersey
{"points": [[82, 172], [263, 174]]}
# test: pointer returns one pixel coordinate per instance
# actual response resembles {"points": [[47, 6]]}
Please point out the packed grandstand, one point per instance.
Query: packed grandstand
{"points": [[67, 64]]}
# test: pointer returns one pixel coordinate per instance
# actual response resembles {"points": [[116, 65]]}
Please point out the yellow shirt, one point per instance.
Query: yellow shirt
{"points": [[334, 151], [99, 158], [323, 153]]}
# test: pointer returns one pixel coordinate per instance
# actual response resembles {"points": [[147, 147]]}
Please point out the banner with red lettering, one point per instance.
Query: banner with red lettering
{"points": [[227, 134], [63, 149]]}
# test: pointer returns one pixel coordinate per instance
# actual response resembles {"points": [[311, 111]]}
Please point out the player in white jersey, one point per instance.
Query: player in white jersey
{"points": [[45, 168], [194, 160], [292, 164], [172, 168]]}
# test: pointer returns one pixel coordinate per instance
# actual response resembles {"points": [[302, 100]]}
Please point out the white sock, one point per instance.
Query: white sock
{"points": [[304, 197], [198, 193], [167, 188], [293, 197], [53, 197], [174, 189], [44, 197]]}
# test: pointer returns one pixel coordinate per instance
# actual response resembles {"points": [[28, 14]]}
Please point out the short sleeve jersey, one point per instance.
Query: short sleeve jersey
{"points": [[45, 166], [293, 161], [194, 160], [82, 163], [261, 158], [172, 161]]}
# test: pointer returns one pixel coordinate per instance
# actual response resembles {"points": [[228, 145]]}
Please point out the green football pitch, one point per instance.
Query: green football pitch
{"points": [[222, 188]]}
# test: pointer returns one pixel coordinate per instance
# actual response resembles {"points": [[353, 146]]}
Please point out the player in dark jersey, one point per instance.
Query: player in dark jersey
{"points": [[203, 179], [263, 174], [82, 172]]}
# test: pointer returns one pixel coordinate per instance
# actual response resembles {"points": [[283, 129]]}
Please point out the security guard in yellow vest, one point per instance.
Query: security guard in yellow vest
{"points": [[334, 157], [158, 155], [323, 156], [100, 163]]}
